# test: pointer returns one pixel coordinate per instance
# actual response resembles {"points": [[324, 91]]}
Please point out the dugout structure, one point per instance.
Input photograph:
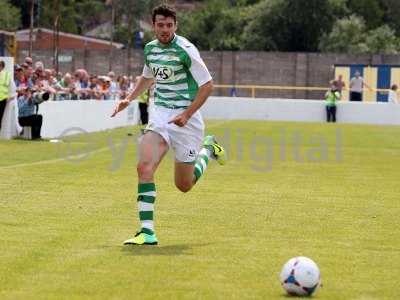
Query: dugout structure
{"points": [[379, 77]]}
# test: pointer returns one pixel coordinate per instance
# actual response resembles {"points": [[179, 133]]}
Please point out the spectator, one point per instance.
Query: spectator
{"points": [[5, 87], [143, 100], [48, 80], [65, 88], [85, 91], [38, 72], [104, 88], [23, 79], [393, 94], [28, 72], [82, 84], [27, 116], [93, 87], [341, 85], [123, 86], [20, 79], [331, 97], [114, 90], [28, 61], [357, 84], [39, 67], [44, 82]]}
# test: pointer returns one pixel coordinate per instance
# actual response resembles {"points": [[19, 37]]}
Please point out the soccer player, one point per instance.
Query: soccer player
{"points": [[183, 84]]}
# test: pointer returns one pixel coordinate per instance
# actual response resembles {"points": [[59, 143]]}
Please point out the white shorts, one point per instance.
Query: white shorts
{"points": [[186, 141]]}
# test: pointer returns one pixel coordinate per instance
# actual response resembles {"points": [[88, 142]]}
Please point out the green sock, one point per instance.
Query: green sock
{"points": [[201, 163], [146, 198]]}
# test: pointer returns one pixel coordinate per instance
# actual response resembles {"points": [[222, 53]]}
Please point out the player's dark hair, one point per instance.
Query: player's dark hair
{"points": [[163, 10], [2, 64]]}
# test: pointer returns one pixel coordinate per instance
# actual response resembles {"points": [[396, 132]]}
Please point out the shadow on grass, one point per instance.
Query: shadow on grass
{"points": [[287, 296], [159, 250]]}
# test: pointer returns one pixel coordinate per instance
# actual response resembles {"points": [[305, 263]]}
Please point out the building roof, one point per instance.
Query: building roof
{"points": [[23, 36], [104, 30], [7, 32]]}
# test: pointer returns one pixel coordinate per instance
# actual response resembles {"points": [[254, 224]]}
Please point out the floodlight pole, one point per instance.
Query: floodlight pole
{"points": [[56, 30], [111, 35], [129, 46], [31, 28]]}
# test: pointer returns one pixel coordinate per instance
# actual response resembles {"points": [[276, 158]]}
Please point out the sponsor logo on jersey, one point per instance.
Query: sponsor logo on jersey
{"points": [[163, 73]]}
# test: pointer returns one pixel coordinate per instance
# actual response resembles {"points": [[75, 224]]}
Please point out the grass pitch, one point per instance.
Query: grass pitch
{"points": [[329, 192]]}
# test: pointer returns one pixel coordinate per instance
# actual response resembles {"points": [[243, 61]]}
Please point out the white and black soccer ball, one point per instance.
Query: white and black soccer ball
{"points": [[300, 276]]}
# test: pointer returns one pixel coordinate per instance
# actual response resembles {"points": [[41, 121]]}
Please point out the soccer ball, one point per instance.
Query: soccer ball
{"points": [[300, 276]]}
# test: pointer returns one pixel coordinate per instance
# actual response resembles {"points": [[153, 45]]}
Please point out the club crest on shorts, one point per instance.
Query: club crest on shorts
{"points": [[192, 153]]}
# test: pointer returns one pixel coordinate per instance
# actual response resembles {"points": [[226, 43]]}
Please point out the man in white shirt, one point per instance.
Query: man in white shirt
{"points": [[357, 84]]}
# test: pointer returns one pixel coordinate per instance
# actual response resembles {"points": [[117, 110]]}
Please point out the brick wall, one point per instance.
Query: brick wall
{"points": [[242, 68]]}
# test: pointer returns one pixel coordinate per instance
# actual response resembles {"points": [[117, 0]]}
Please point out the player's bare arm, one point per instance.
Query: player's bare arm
{"points": [[142, 85], [204, 92]]}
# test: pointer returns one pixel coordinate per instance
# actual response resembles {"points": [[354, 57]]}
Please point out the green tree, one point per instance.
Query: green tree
{"points": [[89, 13], [216, 26], [24, 6], [287, 25], [371, 10], [128, 16], [350, 35], [263, 29], [68, 15], [76, 16], [339, 8], [392, 13], [347, 35], [10, 16], [306, 21], [243, 2], [382, 40]]}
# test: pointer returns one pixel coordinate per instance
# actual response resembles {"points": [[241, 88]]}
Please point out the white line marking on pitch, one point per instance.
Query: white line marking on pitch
{"points": [[56, 160]]}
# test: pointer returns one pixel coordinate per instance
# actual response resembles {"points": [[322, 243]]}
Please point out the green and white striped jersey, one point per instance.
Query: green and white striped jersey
{"points": [[178, 71]]}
